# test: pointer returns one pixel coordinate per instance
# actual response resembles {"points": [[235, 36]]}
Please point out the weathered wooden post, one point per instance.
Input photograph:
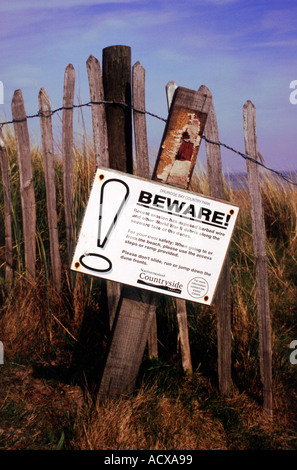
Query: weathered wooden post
{"points": [[175, 164], [222, 302], [68, 155], [49, 173], [100, 135], [116, 68], [142, 162], [139, 119], [259, 243], [181, 306], [7, 212], [26, 182], [116, 71]]}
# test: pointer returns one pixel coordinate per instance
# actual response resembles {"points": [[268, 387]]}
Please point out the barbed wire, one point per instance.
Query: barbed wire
{"points": [[51, 112], [248, 157]]}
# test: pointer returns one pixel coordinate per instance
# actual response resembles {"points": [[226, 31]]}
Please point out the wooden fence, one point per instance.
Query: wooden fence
{"points": [[112, 138]]}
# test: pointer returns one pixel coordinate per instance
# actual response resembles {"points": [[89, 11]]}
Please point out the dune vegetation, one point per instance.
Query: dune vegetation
{"points": [[55, 343]]}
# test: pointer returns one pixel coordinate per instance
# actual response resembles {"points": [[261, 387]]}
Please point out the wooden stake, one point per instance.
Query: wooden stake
{"points": [[182, 321], [26, 182], [142, 163], [68, 155], [98, 112], [222, 303], [140, 133], [181, 306], [116, 66], [100, 134], [259, 243], [49, 173], [7, 213], [131, 329]]}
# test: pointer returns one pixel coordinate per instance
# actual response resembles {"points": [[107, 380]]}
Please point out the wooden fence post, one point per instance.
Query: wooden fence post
{"points": [[139, 119], [26, 182], [100, 133], [182, 321], [116, 67], [136, 307], [222, 302], [142, 163], [7, 213], [98, 112], [116, 70], [49, 173], [68, 155], [259, 244], [181, 306]]}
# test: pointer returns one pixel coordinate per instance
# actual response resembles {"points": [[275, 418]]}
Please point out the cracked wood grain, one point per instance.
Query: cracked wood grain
{"points": [[259, 244], [26, 182]]}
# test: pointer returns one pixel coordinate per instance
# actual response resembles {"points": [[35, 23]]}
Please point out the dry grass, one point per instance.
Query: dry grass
{"points": [[151, 422], [37, 413]]}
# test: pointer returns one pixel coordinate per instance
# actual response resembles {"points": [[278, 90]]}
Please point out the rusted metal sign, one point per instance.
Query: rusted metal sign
{"points": [[152, 236], [182, 138]]}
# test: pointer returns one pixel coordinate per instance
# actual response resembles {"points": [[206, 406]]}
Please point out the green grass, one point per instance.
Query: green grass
{"points": [[55, 344]]}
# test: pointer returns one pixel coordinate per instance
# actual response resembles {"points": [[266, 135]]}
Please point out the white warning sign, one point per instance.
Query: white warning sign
{"points": [[154, 236]]}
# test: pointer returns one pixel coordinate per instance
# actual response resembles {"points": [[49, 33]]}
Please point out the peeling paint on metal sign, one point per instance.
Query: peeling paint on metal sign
{"points": [[179, 149]]}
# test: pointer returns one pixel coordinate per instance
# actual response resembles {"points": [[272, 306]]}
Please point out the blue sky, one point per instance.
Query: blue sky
{"points": [[239, 49]]}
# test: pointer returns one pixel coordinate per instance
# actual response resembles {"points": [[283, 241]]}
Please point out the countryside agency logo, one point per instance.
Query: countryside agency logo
{"points": [[149, 279], [293, 94], [1, 93]]}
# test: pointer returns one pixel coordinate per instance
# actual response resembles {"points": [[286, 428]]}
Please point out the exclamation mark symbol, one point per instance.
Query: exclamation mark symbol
{"points": [[114, 193], [228, 217]]}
